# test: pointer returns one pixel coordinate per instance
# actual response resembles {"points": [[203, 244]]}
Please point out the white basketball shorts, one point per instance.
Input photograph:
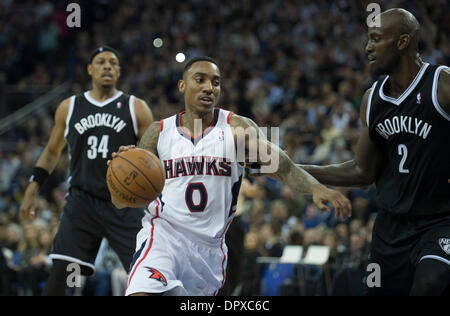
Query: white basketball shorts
{"points": [[173, 262]]}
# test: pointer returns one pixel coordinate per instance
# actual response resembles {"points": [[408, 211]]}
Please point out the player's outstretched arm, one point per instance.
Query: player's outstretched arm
{"points": [[47, 161], [358, 172], [282, 166]]}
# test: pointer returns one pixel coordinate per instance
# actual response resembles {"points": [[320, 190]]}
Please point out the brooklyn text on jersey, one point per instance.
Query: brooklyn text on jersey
{"points": [[99, 120], [403, 124]]}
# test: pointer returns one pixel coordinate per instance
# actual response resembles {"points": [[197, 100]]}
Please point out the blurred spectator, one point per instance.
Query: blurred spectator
{"points": [[251, 272], [270, 234], [9, 164]]}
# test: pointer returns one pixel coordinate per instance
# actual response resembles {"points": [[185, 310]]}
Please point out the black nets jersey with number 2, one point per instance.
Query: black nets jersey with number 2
{"points": [[413, 134], [94, 130]]}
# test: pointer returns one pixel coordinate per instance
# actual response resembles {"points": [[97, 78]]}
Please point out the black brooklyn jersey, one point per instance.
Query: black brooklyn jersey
{"points": [[412, 133], [94, 130]]}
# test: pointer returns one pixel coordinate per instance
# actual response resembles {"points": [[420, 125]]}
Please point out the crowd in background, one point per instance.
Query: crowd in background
{"points": [[296, 65]]}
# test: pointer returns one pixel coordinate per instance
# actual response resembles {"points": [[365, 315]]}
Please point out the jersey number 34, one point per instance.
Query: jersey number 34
{"points": [[96, 147]]}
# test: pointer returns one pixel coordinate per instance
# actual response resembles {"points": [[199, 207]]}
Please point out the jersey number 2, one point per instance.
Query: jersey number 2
{"points": [[96, 148], [402, 151]]}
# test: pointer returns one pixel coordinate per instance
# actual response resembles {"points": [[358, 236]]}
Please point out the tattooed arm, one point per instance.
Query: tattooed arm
{"points": [[283, 167], [360, 171], [149, 140]]}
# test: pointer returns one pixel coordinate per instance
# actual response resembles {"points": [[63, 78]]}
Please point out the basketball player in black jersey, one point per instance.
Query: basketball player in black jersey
{"points": [[404, 148], [93, 125]]}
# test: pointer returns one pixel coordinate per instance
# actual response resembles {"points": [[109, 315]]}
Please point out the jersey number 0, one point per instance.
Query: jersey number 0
{"points": [[203, 197]]}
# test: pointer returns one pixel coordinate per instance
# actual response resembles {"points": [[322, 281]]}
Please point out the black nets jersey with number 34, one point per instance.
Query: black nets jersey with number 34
{"points": [[94, 130], [413, 134]]}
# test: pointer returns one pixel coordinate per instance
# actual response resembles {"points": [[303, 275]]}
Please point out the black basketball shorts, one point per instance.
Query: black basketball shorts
{"points": [[85, 221], [401, 242]]}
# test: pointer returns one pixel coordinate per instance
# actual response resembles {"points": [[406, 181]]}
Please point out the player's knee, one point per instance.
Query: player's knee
{"points": [[431, 278]]}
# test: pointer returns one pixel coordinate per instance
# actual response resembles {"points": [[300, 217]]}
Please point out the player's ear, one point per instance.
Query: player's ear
{"points": [[181, 86], [89, 69], [403, 41]]}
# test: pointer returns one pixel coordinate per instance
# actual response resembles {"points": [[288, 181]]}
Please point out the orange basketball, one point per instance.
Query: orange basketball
{"points": [[135, 177]]}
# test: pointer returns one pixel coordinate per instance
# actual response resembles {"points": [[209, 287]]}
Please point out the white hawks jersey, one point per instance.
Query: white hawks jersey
{"points": [[203, 177]]}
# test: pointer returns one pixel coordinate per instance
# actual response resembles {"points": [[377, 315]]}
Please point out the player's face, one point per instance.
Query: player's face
{"points": [[105, 69], [381, 50], [201, 86]]}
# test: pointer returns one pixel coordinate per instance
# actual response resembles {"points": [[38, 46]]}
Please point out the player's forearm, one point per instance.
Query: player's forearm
{"points": [[48, 159], [347, 174], [295, 177], [149, 141]]}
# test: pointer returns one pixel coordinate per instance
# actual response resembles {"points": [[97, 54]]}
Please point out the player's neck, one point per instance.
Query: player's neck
{"points": [[189, 119], [401, 78], [102, 93]]}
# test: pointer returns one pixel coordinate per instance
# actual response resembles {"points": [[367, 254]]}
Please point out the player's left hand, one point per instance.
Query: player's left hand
{"points": [[342, 206], [117, 204]]}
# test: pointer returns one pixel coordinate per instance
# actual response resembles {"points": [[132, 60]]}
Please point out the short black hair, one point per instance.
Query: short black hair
{"points": [[102, 49], [196, 59]]}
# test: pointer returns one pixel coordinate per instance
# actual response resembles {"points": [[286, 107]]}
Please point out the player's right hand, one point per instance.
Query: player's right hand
{"points": [[121, 150], [28, 206]]}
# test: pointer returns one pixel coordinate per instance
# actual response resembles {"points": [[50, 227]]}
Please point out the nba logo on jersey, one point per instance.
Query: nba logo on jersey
{"points": [[119, 105], [445, 245], [221, 135], [419, 97]]}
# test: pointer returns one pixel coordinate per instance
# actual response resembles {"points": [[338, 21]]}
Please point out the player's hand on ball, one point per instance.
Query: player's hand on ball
{"points": [[117, 204], [121, 150], [342, 206], [135, 177], [114, 201]]}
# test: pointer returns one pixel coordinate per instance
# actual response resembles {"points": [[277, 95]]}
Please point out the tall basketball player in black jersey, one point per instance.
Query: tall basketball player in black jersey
{"points": [[93, 125], [403, 148]]}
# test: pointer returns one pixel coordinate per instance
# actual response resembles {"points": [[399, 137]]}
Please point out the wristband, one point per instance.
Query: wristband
{"points": [[39, 175]]}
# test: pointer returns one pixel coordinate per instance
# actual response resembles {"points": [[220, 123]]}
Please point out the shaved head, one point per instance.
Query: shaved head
{"points": [[401, 22], [396, 37]]}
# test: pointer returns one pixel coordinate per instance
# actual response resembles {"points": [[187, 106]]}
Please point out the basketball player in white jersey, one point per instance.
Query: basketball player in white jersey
{"points": [[180, 249]]}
